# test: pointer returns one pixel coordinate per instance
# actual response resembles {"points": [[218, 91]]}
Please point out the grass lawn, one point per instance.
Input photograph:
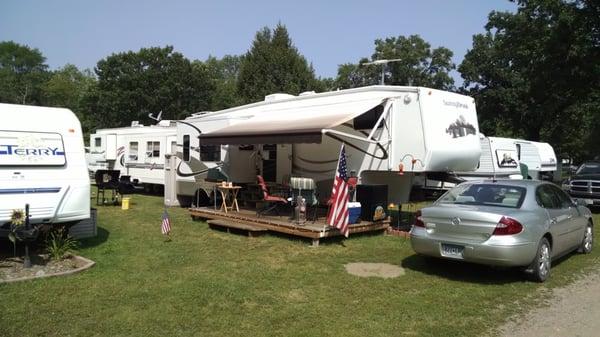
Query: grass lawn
{"points": [[210, 283]]}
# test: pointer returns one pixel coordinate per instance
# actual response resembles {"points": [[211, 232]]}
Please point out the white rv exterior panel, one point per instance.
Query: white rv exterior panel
{"points": [[547, 156], [56, 193], [111, 147]]}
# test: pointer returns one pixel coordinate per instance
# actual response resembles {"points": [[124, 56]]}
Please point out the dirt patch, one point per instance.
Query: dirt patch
{"points": [[571, 311], [12, 270], [384, 270]]}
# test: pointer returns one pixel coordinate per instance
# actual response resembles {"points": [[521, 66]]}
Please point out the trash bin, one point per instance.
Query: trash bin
{"points": [[125, 203]]}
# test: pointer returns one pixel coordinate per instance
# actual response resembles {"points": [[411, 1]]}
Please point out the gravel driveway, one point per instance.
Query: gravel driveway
{"points": [[573, 311]]}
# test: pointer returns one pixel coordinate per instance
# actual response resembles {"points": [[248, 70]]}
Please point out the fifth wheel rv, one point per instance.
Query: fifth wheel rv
{"points": [[391, 133], [42, 163]]}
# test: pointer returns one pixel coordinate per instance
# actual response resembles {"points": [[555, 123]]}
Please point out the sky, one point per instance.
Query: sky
{"points": [[327, 33]]}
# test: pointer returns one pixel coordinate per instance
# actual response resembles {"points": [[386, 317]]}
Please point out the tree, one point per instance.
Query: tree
{"points": [[224, 74], [418, 65], [22, 73], [273, 65], [67, 87], [132, 85], [536, 73]]}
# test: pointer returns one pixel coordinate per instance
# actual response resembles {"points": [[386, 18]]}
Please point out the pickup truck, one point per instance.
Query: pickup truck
{"points": [[585, 183]]}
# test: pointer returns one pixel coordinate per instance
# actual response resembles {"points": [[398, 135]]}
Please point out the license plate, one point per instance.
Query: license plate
{"points": [[453, 251]]}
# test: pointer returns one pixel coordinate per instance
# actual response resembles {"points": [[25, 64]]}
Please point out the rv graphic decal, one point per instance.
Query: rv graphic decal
{"points": [[16, 150], [461, 128], [32, 148]]}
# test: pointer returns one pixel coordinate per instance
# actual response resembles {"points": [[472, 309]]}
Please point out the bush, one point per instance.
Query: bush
{"points": [[60, 244]]}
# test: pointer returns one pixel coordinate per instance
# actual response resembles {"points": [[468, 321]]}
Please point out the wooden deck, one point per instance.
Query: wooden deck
{"points": [[282, 224]]}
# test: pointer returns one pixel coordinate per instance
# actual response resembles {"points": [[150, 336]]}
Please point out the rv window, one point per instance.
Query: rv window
{"points": [[186, 148], [519, 151], [210, 152], [367, 120], [133, 151], [153, 149], [97, 142]]}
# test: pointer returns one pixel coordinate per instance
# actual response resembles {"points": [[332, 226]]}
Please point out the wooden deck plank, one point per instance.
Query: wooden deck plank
{"points": [[315, 231]]}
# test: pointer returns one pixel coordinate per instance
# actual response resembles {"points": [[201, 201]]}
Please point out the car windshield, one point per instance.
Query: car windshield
{"points": [[485, 194], [589, 168]]}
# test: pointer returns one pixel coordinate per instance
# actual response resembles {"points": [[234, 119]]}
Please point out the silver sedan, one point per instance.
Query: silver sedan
{"points": [[513, 223]]}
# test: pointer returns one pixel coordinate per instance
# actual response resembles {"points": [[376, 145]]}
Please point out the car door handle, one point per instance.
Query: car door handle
{"points": [[553, 221]]}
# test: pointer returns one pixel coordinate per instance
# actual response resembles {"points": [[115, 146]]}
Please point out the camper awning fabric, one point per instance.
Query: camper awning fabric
{"points": [[287, 124]]}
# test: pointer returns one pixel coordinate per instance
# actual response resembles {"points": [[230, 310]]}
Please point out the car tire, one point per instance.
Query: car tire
{"points": [[587, 242], [540, 267]]}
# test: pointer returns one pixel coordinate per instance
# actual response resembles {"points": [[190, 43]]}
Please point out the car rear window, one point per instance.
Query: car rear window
{"points": [[485, 194]]}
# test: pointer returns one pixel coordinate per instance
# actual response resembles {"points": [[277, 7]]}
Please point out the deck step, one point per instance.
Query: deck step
{"points": [[251, 229]]}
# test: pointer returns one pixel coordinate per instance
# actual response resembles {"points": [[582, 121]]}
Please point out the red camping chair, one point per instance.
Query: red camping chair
{"points": [[271, 201]]}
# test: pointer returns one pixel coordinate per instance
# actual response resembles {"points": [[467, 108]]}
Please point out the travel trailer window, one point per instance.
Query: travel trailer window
{"points": [[153, 149], [506, 158], [97, 142], [133, 151], [210, 152], [519, 151], [367, 120], [186, 148]]}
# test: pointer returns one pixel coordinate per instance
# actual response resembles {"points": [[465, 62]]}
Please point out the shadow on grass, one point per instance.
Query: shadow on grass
{"points": [[99, 239], [463, 271]]}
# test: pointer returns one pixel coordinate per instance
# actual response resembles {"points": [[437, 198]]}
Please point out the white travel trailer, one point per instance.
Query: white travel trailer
{"points": [[42, 163], [499, 159], [137, 151], [390, 133], [539, 158]]}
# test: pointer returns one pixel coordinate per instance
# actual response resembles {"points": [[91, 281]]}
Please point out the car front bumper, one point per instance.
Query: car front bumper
{"points": [[491, 252]]}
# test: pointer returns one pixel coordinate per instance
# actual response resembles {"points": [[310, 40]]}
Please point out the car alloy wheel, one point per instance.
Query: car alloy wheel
{"points": [[539, 269], [544, 261], [588, 240]]}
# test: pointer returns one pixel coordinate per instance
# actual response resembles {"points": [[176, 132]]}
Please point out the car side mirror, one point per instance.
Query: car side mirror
{"points": [[580, 202]]}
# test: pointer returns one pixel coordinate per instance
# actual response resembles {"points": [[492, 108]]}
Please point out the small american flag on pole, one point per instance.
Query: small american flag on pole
{"points": [[338, 212], [166, 223]]}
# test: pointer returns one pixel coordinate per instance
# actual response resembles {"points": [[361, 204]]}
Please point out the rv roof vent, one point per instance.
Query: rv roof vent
{"points": [[277, 97], [307, 93], [164, 122], [135, 123]]}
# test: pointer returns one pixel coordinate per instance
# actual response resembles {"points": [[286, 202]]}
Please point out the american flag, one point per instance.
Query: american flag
{"points": [[166, 223], [338, 212]]}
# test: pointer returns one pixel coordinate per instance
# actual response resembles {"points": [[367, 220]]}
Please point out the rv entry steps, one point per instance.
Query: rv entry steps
{"points": [[252, 230]]}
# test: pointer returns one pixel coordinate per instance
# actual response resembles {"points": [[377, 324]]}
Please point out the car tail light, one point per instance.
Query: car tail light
{"points": [[419, 220], [508, 226]]}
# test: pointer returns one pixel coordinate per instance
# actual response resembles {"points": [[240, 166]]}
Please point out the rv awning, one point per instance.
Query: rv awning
{"points": [[299, 124]]}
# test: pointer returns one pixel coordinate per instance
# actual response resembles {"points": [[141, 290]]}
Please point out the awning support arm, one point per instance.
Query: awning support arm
{"points": [[386, 111], [344, 134]]}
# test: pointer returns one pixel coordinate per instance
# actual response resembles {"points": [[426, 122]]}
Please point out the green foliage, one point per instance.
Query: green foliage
{"points": [[60, 244], [132, 85], [69, 87], [22, 74], [224, 75], [273, 65], [536, 73], [419, 65]]}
